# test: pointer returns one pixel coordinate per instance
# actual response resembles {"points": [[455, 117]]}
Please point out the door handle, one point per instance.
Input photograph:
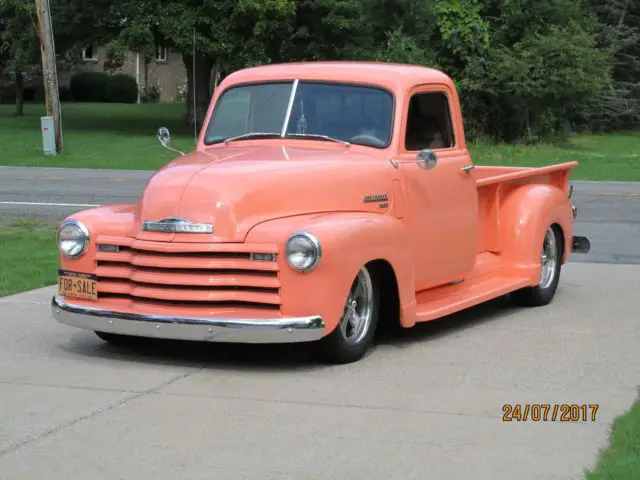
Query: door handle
{"points": [[468, 168]]}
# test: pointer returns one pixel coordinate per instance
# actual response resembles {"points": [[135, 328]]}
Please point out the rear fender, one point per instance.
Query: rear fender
{"points": [[526, 212], [348, 241]]}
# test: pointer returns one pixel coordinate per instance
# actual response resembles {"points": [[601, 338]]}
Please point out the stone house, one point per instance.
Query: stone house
{"points": [[166, 70]]}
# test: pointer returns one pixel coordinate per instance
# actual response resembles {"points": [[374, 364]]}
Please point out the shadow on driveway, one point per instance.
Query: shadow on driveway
{"points": [[276, 357]]}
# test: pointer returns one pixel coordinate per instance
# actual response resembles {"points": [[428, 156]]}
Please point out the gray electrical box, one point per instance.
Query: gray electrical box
{"points": [[48, 136]]}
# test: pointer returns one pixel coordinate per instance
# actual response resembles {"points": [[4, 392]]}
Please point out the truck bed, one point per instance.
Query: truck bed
{"points": [[494, 185], [489, 175]]}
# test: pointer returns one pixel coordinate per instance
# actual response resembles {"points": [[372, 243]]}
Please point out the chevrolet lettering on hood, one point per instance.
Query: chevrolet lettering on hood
{"points": [[176, 225]]}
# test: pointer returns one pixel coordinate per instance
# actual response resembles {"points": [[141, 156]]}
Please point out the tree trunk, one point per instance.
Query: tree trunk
{"points": [[19, 94], [204, 64]]}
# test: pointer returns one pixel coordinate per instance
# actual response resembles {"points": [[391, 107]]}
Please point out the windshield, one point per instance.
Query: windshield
{"points": [[320, 111]]}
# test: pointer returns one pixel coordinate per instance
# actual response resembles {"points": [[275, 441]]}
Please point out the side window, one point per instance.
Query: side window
{"points": [[429, 122]]}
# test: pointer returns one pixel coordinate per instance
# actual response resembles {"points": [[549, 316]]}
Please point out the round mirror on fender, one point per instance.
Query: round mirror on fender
{"points": [[164, 136], [427, 159]]}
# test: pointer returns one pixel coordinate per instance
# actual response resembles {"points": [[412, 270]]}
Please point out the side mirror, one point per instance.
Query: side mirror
{"points": [[164, 137], [427, 159]]}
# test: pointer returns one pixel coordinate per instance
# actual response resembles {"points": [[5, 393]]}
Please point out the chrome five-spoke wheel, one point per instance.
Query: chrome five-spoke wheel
{"points": [[354, 333], [358, 310], [550, 265], [549, 259]]}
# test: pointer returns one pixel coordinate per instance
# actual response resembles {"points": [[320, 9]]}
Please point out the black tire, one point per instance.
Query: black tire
{"points": [[339, 347], [118, 339], [543, 293]]}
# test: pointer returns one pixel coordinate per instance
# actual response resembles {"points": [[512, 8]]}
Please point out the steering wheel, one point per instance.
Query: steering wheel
{"points": [[367, 139]]}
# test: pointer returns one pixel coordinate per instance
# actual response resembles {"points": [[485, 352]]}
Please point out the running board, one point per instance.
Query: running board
{"points": [[442, 301], [580, 245]]}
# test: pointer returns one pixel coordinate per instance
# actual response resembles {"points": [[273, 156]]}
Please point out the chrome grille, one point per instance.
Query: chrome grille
{"points": [[206, 275]]}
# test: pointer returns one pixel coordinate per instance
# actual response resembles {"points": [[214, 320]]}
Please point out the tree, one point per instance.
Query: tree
{"points": [[525, 69], [618, 32], [325, 30], [230, 33], [19, 45], [74, 23]]}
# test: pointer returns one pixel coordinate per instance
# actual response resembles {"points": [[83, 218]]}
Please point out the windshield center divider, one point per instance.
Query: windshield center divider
{"points": [[289, 108]]}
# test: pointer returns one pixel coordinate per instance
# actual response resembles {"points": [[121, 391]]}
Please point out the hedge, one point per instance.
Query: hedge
{"points": [[103, 87]]}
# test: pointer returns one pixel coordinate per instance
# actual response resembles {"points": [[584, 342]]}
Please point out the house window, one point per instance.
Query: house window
{"points": [[161, 54], [90, 53], [429, 122]]}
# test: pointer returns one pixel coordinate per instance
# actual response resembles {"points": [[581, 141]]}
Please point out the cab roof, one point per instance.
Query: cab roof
{"points": [[390, 75]]}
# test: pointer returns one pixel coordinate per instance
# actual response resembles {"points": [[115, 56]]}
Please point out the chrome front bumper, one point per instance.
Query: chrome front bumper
{"points": [[234, 330]]}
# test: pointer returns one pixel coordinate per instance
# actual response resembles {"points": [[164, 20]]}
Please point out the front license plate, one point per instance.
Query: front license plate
{"points": [[77, 285]]}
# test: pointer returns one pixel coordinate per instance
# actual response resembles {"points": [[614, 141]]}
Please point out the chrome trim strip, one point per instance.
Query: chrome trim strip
{"points": [[232, 330], [176, 225], [287, 117]]}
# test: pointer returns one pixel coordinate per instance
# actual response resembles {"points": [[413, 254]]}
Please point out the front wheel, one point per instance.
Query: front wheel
{"points": [[353, 335], [551, 263]]}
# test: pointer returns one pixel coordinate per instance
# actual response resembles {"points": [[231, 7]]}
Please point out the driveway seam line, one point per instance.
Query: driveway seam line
{"points": [[95, 413]]}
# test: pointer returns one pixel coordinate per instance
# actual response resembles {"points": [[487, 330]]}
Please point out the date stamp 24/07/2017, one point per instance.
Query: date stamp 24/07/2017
{"points": [[550, 412]]}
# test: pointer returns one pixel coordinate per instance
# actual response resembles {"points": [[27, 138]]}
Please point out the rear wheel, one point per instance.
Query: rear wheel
{"points": [[354, 333], [551, 264]]}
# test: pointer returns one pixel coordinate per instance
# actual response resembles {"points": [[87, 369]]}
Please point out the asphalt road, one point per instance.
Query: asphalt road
{"points": [[608, 212]]}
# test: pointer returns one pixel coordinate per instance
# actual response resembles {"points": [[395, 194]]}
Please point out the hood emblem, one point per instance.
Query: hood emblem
{"points": [[381, 197], [176, 225]]}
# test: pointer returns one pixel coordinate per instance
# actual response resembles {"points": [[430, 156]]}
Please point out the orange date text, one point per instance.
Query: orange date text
{"points": [[549, 412]]}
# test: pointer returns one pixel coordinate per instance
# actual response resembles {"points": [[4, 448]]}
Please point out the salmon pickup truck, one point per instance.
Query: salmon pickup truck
{"points": [[322, 200]]}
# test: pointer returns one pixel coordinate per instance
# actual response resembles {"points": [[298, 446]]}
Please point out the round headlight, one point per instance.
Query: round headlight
{"points": [[303, 251], [73, 238]]}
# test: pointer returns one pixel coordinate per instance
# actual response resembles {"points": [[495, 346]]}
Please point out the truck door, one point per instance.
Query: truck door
{"points": [[441, 207]]}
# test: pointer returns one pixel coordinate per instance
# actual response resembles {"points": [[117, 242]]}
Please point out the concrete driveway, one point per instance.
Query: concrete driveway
{"points": [[424, 404]]}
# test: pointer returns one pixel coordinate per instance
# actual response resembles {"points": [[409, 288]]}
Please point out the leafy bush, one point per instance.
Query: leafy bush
{"points": [[121, 88], [103, 87], [115, 56], [89, 86], [152, 94], [64, 94]]}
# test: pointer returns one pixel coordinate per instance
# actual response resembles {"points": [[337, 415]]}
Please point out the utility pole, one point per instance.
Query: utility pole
{"points": [[49, 71]]}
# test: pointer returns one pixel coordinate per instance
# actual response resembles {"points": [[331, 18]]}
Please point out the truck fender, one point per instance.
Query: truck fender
{"points": [[349, 240], [526, 212]]}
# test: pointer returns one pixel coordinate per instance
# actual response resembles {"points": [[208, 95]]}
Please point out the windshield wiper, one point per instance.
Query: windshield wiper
{"points": [[317, 135], [277, 135], [251, 135]]}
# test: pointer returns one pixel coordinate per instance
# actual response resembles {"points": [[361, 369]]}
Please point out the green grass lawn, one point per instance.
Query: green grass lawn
{"points": [[29, 256], [95, 136], [620, 460], [123, 136], [601, 157]]}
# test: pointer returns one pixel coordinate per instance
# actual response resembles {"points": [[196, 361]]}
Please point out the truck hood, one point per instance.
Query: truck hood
{"points": [[237, 187]]}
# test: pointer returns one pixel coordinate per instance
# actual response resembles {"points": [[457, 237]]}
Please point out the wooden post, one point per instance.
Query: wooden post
{"points": [[49, 71]]}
